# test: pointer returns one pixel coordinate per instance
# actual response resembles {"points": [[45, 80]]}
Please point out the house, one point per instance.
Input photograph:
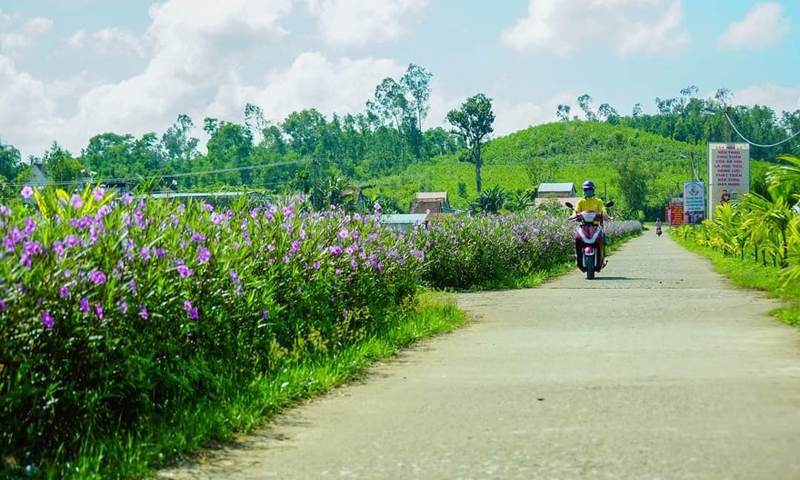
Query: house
{"points": [[559, 190], [430, 202], [562, 192], [403, 221]]}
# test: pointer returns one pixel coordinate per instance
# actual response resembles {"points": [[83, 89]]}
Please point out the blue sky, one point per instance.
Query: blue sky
{"points": [[70, 69]]}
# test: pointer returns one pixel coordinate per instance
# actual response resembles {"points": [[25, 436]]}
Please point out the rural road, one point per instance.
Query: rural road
{"points": [[657, 370]]}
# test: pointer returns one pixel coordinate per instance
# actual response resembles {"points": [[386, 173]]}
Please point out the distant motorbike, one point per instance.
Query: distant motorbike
{"points": [[658, 230], [588, 237]]}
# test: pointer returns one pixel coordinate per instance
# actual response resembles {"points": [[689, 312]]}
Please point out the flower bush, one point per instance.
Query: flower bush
{"points": [[467, 250], [114, 311]]}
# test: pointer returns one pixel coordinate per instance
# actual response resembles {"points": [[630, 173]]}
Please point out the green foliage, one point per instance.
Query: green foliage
{"points": [[766, 227], [473, 122]]}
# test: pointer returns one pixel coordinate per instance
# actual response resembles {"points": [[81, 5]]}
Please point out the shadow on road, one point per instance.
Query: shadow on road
{"points": [[615, 278]]}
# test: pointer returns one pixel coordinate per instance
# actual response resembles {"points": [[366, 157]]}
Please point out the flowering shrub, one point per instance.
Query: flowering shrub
{"points": [[114, 311], [464, 251], [110, 313]]}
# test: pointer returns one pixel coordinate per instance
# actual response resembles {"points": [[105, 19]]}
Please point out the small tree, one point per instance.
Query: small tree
{"points": [[473, 122]]}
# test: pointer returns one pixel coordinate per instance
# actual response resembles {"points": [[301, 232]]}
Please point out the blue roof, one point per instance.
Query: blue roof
{"points": [[404, 218]]}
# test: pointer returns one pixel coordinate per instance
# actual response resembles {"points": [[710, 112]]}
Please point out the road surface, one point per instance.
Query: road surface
{"points": [[657, 369]]}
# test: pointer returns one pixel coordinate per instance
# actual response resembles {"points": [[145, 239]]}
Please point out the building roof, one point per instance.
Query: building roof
{"points": [[556, 187], [404, 218], [431, 195]]}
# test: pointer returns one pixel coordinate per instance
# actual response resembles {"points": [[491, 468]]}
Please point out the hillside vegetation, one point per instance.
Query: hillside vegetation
{"points": [[616, 157]]}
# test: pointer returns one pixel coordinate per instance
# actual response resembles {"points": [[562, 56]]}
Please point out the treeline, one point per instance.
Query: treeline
{"points": [[308, 150], [306, 147], [690, 119]]}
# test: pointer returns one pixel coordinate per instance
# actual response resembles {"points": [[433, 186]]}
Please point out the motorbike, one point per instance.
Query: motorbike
{"points": [[658, 230], [588, 241]]}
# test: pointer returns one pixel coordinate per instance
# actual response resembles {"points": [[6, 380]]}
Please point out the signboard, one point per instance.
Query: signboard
{"points": [[677, 215], [729, 173], [694, 204]]}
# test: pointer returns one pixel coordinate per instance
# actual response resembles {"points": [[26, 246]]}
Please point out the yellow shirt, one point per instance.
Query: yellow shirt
{"points": [[591, 204]]}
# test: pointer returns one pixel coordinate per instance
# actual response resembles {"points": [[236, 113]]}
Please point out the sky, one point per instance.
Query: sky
{"points": [[71, 69]]}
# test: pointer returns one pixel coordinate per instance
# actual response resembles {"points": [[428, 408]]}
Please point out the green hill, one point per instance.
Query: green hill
{"points": [[561, 152]]}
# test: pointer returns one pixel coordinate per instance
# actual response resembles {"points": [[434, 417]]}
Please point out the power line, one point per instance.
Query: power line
{"points": [[756, 144], [176, 175]]}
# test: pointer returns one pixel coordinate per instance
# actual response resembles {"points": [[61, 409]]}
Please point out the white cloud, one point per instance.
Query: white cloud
{"points": [[38, 26], [26, 109], [770, 95], [763, 26], [628, 26], [111, 40], [11, 41], [361, 22]]}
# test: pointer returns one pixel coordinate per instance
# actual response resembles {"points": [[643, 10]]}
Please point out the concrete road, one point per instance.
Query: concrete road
{"points": [[657, 369]]}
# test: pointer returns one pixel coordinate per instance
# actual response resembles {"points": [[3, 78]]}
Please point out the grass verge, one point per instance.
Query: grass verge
{"points": [[240, 408], [752, 275]]}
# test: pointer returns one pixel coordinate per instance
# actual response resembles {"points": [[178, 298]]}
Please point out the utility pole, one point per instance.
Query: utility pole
{"points": [[727, 124]]}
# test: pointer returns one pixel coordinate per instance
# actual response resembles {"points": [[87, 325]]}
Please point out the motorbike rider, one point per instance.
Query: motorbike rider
{"points": [[591, 203]]}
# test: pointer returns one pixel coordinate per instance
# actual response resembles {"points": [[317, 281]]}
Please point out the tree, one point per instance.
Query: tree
{"points": [[60, 165], [177, 142], [585, 102], [608, 113], [10, 161], [632, 182], [416, 82], [473, 122], [563, 112]]}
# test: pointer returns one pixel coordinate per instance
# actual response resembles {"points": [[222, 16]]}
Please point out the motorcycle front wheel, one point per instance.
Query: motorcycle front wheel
{"points": [[588, 262]]}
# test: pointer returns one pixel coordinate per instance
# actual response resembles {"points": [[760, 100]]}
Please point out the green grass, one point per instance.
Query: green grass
{"points": [[243, 407], [753, 275]]}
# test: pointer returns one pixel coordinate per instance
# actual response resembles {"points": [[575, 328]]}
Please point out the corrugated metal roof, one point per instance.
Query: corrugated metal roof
{"points": [[404, 218], [556, 187], [431, 195]]}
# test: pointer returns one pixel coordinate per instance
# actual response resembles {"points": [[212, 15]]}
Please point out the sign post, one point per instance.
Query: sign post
{"points": [[728, 173], [693, 202]]}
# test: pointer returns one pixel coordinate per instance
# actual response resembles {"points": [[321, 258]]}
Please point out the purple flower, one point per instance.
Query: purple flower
{"points": [[194, 314], [84, 304], [187, 305], [76, 201], [26, 193], [264, 314], [47, 320], [160, 253], [2, 304], [203, 255], [132, 285], [235, 276], [127, 199], [316, 265], [97, 277], [144, 252], [98, 309], [64, 292], [184, 271], [123, 307], [343, 234], [336, 250], [99, 194], [143, 312]]}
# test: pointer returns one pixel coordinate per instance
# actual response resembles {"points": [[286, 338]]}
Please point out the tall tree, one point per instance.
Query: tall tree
{"points": [[417, 82], [177, 141], [585, 102], [473, 122]]}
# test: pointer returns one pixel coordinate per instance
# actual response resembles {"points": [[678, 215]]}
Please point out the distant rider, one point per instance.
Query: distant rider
{"points": [[591, 203]]}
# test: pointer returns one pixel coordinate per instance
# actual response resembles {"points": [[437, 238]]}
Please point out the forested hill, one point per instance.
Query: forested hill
{"points": [[640, 170]]}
